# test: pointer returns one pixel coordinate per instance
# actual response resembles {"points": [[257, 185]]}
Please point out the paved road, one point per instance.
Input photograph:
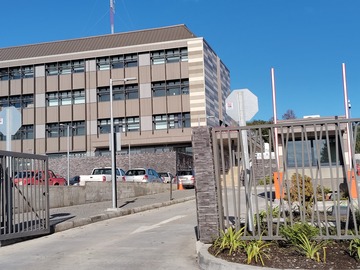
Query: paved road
{"points": [[163, 238]]}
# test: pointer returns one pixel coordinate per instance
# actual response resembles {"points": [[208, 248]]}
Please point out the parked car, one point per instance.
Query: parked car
{"points": [[102, 174], [75, 181], [167, 177], [186, 178], [145, 175], [38, 178]]}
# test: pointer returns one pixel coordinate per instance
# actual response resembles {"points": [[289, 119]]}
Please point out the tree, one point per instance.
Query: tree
{"points": [[289, 114]]}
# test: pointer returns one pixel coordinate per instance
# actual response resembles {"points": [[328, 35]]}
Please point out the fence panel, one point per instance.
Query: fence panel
{"points": [[24, 200], [294, 171]]}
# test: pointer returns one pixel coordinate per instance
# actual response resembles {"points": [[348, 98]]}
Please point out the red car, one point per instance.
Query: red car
{"points": [[38, 177]]}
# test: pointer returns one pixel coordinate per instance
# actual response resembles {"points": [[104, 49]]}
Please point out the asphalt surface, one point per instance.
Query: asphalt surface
{"points": [[65, 218]]}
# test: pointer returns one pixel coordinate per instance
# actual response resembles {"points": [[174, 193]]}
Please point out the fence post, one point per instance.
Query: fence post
{"points": [[205, 184]]}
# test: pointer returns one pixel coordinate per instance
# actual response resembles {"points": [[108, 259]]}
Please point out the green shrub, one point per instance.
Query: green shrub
{"points": [[301, 187], [266, 180], [293, 234], [256, 250], [229, 240], [310, 248], [354, 248]]}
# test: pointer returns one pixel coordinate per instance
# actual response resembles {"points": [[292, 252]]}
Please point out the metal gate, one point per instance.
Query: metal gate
{"points": [[24, 200], [296, 171]]}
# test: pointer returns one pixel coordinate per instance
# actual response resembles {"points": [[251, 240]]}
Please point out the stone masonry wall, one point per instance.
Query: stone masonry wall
{"points": [[161, 162], [206, 198]]}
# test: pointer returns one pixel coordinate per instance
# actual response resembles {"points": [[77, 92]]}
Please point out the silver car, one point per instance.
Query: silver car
{"points": [[186, 178], [142, 175]]}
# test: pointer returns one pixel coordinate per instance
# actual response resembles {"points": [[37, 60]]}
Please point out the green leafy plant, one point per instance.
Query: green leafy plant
{"points": [[229, 240], [266, 180], [311, 248], [301, 188], [293, 233], [354, 248], [269, 213], [256, 250]]}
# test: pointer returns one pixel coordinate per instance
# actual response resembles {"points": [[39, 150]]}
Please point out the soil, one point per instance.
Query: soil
{"points": [[287, 257]]}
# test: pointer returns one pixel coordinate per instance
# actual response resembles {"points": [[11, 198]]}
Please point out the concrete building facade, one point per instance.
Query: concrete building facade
{"points": [[165, 81]]}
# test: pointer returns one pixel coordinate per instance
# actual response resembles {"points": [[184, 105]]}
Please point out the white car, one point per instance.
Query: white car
{"points": [[143, 175]]}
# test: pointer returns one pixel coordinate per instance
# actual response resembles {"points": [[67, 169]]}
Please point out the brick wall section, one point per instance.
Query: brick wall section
{"points": [[161, 162], [206, 199]]}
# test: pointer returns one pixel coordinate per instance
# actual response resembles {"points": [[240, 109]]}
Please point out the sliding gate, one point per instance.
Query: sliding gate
{"points": [[24, 203]]}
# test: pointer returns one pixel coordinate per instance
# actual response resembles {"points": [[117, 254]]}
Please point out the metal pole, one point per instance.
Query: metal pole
{"points": [[129, 158], [112, 142], [246, 161], [112, 145], [275, 115], [346, 100], [68, 155]]}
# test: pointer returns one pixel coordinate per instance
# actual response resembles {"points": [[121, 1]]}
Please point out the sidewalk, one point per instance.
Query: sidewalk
{"points": [[65, 218]]}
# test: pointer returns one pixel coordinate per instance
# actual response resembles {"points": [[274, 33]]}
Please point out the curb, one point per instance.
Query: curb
{"points": [[207, 261], [66, 225]]}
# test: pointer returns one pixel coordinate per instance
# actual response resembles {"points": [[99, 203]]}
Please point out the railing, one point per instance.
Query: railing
{"points": [[300, 171], [24, 200]]}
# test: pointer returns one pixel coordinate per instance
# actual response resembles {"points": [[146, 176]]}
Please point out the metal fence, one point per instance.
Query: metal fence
{"points": [[294, 171], [24, 200]]}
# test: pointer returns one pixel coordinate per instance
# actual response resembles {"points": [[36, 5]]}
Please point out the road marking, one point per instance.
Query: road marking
{"points": [[147, 228]]}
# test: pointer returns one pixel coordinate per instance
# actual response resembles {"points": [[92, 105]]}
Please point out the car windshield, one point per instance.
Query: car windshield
{"points": [[163, 174], [135, 172], [24, 174]]}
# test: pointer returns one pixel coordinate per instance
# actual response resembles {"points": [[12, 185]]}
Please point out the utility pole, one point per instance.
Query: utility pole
{"points": [[112, 11]]}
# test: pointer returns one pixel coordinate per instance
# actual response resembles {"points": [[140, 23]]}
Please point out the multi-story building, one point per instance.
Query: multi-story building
{"points": [[165, 81]]}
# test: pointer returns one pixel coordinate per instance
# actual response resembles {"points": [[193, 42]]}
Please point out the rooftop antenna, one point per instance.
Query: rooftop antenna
{"points": [[112, 11]]}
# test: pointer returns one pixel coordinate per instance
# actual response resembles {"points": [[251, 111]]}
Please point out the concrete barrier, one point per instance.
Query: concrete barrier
{"points": [[60, 196]]}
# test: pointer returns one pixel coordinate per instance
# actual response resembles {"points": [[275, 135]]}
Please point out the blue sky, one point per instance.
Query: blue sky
{"points": [[305, 41]]}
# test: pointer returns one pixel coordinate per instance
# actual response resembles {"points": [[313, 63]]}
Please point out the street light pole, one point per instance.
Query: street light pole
{"points": [[68, 155], [112, 142]]}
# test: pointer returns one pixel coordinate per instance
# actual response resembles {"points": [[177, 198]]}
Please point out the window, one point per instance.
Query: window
{"points": [[4, 74], [171, 121], [160, 122], [65, 97], [17, 101], [128, 124], [103, 63], [117, 61], [26, 132], [78, 66], [65, 67], [79, 96], [120, 92], [132, 124], [305, 153], [169, 56], [52, 99], [55, 130], [170, 88], [28, 72], [78, 128], [16, 73], [131, 60], [52, 69]]}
